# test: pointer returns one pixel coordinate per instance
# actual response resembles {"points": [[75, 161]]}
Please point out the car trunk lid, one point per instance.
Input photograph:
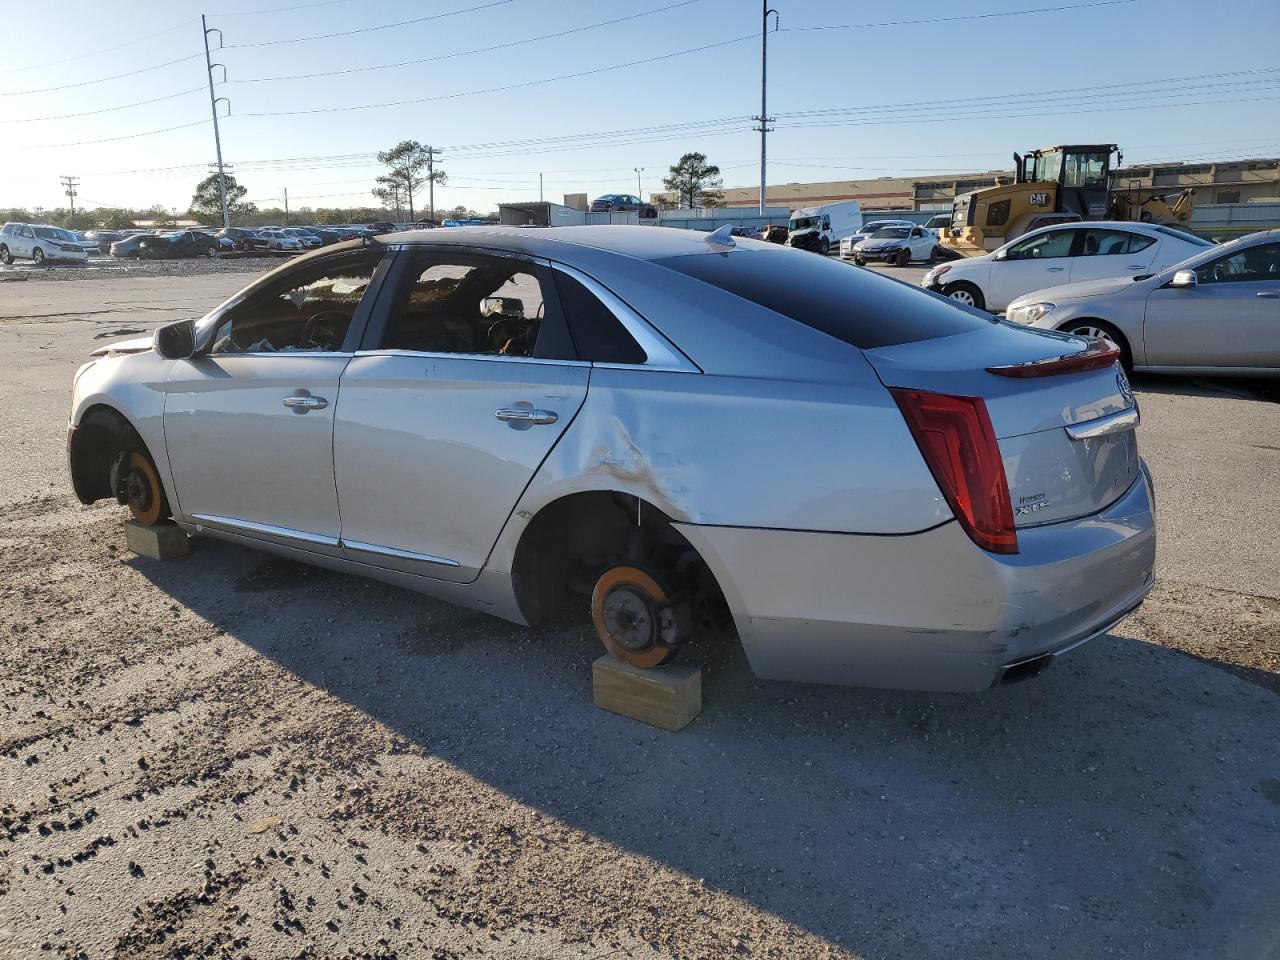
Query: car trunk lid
{"points": [[1066, 439]]}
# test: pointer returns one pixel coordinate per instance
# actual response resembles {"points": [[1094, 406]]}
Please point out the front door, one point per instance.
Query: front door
{"points": [[469, 380], [1031, 264], [249, 419], [1231, 318]]}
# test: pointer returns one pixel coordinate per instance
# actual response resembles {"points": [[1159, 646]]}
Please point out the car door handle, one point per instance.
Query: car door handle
{"points": [[530, 415], [1105, 426], [1135, 266], [1269, 294], [1056, 269], [303, 404]]}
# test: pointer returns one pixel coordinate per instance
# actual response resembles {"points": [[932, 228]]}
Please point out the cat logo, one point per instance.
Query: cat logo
{"points": [[1039, 199]]}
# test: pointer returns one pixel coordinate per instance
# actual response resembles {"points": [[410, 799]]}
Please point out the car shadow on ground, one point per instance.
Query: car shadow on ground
{"points": [[1119, 803], [1243, 388]]}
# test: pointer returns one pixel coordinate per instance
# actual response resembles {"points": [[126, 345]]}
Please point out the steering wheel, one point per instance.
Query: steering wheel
{"points": [[319, 323], [512, 336]]}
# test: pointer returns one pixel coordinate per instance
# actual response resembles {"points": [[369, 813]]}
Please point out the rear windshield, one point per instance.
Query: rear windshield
{"points": [[848, 303], [1185, 236]]}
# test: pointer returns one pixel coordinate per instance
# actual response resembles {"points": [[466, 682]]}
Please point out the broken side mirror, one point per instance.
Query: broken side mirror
{"points": [[177, 340]]}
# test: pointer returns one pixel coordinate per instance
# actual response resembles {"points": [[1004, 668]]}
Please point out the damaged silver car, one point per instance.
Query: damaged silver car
{"points": [[868, 484]]}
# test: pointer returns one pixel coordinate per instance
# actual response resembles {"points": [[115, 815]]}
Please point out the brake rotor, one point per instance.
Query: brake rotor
{"points": [[142, 490], [631, 615]]}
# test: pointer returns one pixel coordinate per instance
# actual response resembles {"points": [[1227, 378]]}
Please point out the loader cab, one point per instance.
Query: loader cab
{"points": [[1080, 174]]}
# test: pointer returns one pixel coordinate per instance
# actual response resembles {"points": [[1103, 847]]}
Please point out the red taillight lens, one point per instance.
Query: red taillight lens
{"points": [[955, 437], [1098, 355]]}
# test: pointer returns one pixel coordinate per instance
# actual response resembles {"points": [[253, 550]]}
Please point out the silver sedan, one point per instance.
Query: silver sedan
{"points": [[1215, 312], [866, 483]]}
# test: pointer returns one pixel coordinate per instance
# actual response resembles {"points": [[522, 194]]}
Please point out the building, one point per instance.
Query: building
{"points": [[1235, 181]]}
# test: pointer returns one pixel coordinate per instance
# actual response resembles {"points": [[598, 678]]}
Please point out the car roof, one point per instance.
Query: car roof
{"points": [[642, 243]]}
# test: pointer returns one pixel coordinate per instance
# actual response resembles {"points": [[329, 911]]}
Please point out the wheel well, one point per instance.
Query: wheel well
{"points": [[103, 434], [572, 540], [1121, 340]]}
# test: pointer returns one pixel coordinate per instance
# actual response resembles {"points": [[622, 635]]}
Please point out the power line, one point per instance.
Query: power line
{"points": [[114, 76], [959, 17], [93, 53], [86, 143], [383, 26], [90, 113], [297, 6], [467, 53]]}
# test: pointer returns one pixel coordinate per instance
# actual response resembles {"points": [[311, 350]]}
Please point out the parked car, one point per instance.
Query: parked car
{"points": [[39, 243], [304, 236], [621, 202], [87, 244], [850, 243], [326, 235], [1058, 254], [104, 239], [180, 243], [625, 410], [131, 245], [279, 240], [381, 227], [897, 245], [1215, 312], [243, 238], [938, 224]]}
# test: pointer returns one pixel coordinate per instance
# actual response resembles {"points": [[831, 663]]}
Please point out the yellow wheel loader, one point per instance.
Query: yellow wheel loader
{"points": [[1056, 185]]}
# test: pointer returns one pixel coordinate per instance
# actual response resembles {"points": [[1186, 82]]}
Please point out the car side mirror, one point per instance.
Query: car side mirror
{"points": [[1001, 255], [177, 340], [1184, 279]]}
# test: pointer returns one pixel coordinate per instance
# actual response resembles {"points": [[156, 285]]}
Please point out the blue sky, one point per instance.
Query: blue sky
{"points": [[900, 98]]}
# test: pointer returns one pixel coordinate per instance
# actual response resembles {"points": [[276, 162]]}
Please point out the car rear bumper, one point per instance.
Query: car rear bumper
{"points": [[929, 611]]}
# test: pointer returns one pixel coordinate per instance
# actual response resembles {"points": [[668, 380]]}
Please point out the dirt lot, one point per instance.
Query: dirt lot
{"points": [[229, 755]]}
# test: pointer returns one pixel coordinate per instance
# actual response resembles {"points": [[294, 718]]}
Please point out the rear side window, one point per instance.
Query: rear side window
{"points": [[597, 333], [850, 304]]}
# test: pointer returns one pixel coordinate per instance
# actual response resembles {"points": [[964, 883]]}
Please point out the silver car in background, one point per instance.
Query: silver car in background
{"points": [[1216, 312], [867, 483]]}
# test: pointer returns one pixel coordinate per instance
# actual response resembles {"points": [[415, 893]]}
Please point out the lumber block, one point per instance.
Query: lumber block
{"points": [[162, 541], [667, 697]]}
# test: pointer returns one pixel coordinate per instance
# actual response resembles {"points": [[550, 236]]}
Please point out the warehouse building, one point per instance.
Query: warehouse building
{"points": [[1236, 181]]}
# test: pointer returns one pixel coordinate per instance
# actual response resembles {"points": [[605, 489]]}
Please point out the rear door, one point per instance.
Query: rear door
{"points": [[1030, 264], [1231, 318], [464, 385], [1106, 252]]}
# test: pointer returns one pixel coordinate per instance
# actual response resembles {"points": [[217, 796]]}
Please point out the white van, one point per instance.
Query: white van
{"points": [[822, 228]]}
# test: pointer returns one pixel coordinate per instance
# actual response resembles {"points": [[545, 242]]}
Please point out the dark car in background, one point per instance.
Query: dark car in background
{"points": [[130, 243], [327, 235], [183, 243], [243, 239], [621, 202]]}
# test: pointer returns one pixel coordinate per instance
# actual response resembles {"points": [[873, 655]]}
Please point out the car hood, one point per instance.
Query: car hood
{"points": [[880, 244], [1081, 290], [119, 347]]}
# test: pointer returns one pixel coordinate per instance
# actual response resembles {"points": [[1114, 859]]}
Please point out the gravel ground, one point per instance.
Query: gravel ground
{"points": [[231, 755], [109, 268]]}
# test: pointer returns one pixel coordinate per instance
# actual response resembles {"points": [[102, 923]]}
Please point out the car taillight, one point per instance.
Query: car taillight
{"points": [[1098, 355], [956, 439]]}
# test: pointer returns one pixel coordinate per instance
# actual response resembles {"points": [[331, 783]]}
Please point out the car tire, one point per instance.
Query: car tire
{"points": [[824, 246], [903, 258], [5, 256], [934, 254], [964, 292], [1101, 330], [210, 251], [144, 493], [860, 261], [37, 256]]}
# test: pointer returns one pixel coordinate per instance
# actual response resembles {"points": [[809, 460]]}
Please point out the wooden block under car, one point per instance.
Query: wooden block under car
{"points": [[667, 697], [161, 541]]}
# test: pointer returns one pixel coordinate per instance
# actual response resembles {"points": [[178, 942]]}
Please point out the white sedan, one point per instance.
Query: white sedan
{"points": [[897, 244], [1058, 254]]}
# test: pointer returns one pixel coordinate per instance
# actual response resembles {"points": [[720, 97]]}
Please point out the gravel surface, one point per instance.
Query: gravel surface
{"points": [[110, 268], [232, 755]]}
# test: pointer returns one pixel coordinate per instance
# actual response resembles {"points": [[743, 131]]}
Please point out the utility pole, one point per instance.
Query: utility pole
{"points": [[639, 191], [432, 153], [539, 188], [70, 183], [764, 119], [286, 206], [213, 106]]}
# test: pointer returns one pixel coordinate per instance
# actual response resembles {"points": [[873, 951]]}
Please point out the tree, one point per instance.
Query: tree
{"points": [[114, 218], [406, 163], [206, 202], [695, 182], [391, 193]]}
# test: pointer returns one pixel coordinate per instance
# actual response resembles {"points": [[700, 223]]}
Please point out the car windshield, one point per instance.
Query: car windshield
{"points": [[802, 223], [1184, 236], [1215, 250], [891, 233], [49, 233]]}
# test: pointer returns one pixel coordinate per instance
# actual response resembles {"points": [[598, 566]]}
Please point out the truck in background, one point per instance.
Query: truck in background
{"points": [[822, 228]]}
